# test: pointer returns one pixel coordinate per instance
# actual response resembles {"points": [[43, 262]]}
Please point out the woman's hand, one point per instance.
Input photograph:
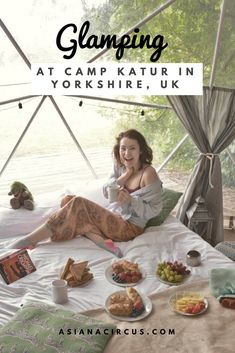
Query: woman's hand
{"points": [[124, 196], [125, 176], [129, 171]]}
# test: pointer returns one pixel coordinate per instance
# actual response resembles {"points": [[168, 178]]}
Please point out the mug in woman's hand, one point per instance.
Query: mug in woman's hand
{"points": [[113, 193]]}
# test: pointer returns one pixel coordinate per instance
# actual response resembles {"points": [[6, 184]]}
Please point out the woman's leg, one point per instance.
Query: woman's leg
{"points": [[30, 240], [80, 216], [83, 217]]}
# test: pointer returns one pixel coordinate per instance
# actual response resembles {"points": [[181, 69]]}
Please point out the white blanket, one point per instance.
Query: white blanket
{"points": [[170, 241]]}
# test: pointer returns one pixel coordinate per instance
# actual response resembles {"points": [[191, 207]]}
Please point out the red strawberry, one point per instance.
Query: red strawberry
{"points": [[122, 276], [128, 279], [138, 304], [134, 279], [189, 308], [198, 307]]}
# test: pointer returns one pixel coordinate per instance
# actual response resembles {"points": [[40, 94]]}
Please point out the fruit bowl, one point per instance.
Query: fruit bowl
{"points": [[188, 303], [172, 273]]}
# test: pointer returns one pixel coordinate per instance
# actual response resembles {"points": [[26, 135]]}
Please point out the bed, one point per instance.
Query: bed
{"points": [[171, 240]]}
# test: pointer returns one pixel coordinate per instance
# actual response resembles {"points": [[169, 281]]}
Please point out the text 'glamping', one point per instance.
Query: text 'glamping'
{"points": [[108, 41]]}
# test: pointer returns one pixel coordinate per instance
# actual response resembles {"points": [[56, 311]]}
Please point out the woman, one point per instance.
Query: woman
{"points": [[139, 199]]}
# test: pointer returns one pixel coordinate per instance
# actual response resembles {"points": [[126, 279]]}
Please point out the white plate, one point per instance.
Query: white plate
{"points": [[108, 275], [185, 277], [180, 295], [147, 304]]}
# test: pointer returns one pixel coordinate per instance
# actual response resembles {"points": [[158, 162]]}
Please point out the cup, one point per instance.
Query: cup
{"points": [[59, 291], [113, 193], [193, 258]]}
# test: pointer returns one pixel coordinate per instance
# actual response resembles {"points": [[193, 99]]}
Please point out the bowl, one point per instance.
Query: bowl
{"points": [[192, 297]]}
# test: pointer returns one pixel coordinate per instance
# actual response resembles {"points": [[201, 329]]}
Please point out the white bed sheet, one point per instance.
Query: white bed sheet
{"points": [[22, 221], [170, 241]]}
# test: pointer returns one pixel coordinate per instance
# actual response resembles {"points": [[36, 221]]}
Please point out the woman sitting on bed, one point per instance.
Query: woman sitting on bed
{"points": [[139, 199]]}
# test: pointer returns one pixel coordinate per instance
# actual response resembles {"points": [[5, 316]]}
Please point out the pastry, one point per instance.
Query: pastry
{"points": [[134, 296], [138, 305], [119, 299], [128, 303], [121, 309], [120, 304], [126, 272], [124, 265]]}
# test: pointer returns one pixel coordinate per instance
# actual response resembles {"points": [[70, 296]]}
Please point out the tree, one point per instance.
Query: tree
{"points": [[189, 28]]}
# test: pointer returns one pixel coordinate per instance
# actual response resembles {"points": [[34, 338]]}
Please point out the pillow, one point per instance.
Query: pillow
{"points": [[93, 190], [39, 327], [169, 201]]}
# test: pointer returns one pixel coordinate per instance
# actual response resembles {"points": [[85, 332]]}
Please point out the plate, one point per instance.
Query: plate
{"points": [[179, 295], [185, 277], [147, 304], [108, 275]]}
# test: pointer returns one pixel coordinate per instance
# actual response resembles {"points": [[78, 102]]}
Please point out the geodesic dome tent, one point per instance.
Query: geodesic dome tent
{"points": [[202, 31]]}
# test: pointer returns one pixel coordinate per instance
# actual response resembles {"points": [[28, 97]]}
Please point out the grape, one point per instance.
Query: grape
{"points": [[137, 312], [163, 277], [116, 278], [172, 271]]}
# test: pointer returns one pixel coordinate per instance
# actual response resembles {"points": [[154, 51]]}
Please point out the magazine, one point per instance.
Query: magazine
{"points": [[16, 265]]}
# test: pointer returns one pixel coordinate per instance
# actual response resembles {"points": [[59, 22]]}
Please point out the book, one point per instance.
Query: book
{"points": [[16, 265]]}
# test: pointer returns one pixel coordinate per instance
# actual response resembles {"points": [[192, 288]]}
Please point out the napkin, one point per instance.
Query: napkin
{"points": [[222, 283]]}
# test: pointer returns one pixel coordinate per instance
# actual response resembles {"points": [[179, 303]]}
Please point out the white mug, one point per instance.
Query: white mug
{"points": [[59, 291], [113, 193]]}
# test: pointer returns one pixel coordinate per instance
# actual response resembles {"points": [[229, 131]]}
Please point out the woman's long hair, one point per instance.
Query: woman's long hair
{"points": [[146, 153]]}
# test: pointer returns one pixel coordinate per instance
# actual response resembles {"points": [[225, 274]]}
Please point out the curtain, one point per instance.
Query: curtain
{"points": [[210, 121]]}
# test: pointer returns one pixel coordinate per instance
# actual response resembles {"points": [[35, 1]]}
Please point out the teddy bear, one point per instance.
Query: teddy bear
{"points": [[21, 196]]}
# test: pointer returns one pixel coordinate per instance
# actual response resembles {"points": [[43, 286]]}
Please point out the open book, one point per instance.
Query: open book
{"points": [[16, 266]]}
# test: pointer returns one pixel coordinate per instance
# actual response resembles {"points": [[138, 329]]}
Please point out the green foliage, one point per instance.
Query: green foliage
{"points": [[190, 29], [228, 168]]}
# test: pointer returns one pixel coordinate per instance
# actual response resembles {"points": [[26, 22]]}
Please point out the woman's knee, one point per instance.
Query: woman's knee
{"points": [[66, 199], [76, 199]]}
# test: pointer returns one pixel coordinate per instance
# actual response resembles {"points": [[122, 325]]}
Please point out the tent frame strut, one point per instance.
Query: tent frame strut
{"points": [[17, 47], [72, 135], [11, 38], [13, 41], [139, 24], [173, 152], [121, 101], [218, 36], [156, 106], [17, 99], [22, 135]]}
